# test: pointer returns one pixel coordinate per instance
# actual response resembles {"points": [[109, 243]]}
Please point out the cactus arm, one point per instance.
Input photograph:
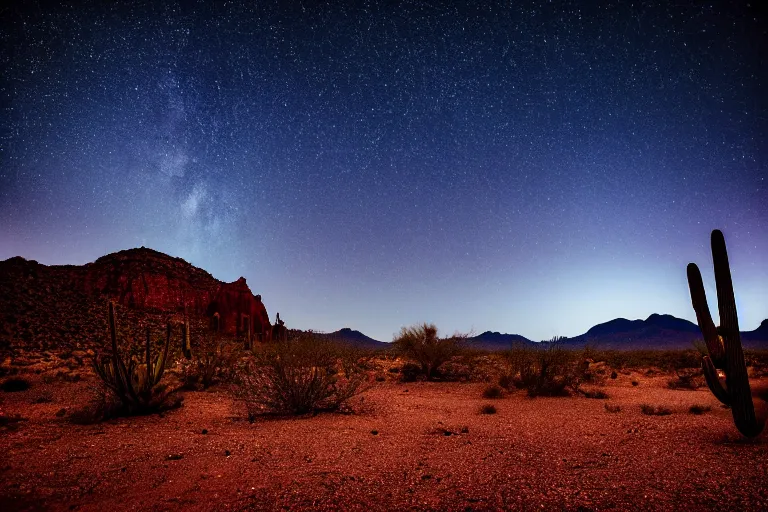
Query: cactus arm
{"points": [[160, 366], [703, 316], [737, 381], [150, 372], [713, 381]]}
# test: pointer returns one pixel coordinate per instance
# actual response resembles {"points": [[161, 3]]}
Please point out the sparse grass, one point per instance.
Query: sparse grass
{"points": [[488, 409], [612, 408], [15, 385], [658, 410], [699, 409], [492, 392]]}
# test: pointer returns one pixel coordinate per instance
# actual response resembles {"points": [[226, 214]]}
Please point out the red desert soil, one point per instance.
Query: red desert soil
{"points": [[422, 446]]}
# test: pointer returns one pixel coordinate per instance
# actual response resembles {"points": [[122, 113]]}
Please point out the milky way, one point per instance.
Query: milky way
{"points": [[534, 168]]}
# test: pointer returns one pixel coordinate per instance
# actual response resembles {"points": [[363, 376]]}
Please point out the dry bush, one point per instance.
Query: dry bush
{"points": [[15, 385], [699, 409], [659, 410], [492, 392], [308, 374], [488, 409], [213, 360], [422, 344], [545, 370], [612, 408], [595, 393], [687, 378]]}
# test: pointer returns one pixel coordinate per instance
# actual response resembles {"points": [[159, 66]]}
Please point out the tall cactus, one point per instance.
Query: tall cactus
{"points": [[133, 383], [724, 342]]}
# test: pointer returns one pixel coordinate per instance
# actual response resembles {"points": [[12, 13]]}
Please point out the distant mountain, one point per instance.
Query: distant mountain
{"points": [[657, 332], [356, 338], [497, 341]]}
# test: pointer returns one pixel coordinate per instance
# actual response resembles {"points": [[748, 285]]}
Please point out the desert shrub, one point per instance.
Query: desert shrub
{"points": [[546, 370], [213, 360], [686, 378], [650, 410], [411, 372], [488, 409], [492, 392], [507, 381], [612, 408], [635, 383], [15, 385], [468, 366], [699, 409], [308, 374], [422, 344], [595, 393], [614, 375]]}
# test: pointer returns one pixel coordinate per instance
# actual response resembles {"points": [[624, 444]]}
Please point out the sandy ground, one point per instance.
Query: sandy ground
{"points": [[422, 446]]}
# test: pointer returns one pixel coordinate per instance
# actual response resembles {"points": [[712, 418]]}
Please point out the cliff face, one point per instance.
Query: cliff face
{"points": [[60, 308]]}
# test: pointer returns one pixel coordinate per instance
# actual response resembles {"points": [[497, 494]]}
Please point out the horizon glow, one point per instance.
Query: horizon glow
{"points": [[529, 169]]}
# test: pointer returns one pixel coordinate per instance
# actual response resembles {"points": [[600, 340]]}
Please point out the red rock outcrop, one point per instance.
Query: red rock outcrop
{"points": [[235, 310]]}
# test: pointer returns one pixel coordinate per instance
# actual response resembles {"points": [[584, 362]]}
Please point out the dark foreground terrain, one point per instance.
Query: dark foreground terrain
{"points": [[416, 446]]}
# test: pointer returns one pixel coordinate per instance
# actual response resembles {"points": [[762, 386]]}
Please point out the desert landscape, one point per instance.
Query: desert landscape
{"points": [[339, 421], [412, 446], [383, 256]]}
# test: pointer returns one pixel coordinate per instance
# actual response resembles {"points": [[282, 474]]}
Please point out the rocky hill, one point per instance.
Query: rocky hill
{"points": [[53, 313]]}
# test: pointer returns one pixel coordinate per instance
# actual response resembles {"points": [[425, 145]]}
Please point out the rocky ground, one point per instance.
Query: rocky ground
{"points": [[416, 446]]}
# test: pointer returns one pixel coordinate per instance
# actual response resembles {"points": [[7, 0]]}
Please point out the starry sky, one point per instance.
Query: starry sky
{"points": [[522, 167]]}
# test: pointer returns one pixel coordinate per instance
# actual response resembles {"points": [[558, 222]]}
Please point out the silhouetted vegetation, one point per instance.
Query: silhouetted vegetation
{"points": [[546, 370], [612, 408], [212, 360], [15, 384], [658, 410], [724, 342], [488, 409], [308, 374], [422, 344], [493, 392], [134, 378], [699, 409]]}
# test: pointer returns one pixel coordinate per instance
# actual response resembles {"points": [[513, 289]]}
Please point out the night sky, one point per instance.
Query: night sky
{"points": [[531, 168]]}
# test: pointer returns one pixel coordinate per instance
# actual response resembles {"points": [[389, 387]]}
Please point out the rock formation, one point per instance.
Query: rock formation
{"points": [[52, 310]]}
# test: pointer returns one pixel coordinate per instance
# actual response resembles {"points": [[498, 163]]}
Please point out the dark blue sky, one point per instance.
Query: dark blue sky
{"points": [[533, 168]]}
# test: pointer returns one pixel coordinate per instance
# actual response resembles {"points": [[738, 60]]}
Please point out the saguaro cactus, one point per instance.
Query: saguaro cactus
{"points": [[724, 342], [132, 382]]}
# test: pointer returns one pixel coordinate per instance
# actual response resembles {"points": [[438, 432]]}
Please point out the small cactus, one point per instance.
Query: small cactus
{"points": [[724, 342], [132, 382]]}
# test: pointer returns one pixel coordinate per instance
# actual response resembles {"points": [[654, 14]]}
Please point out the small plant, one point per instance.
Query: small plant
{"points": [[614, 375], [135, 383], [699, 409], [595, 393], [488, 409], [612, 408], [15, 385], [213, 360], [422, 344], [507, 381], [635, 383], [659, 410], [308, 374], [411, 372], [686, 379], [546, 370], [492, 392]]}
